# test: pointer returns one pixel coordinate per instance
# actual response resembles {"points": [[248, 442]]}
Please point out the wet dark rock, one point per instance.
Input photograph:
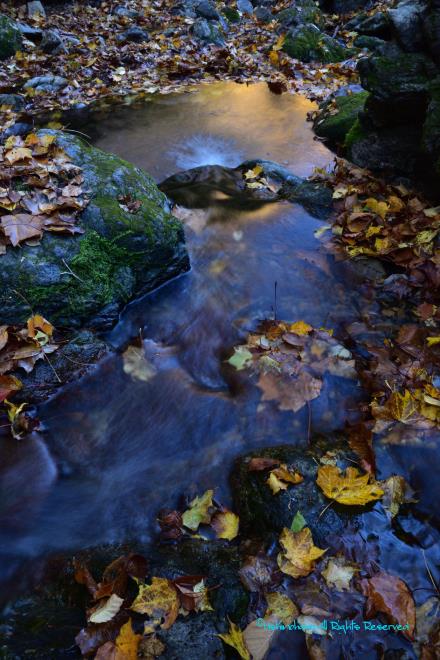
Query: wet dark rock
{"points": [[333, 125], [14, 101], [218, 560], [46, 83], [207, 31], [10, 37], [315, 197], [208, 10], [407, 24], [308, 44], [263, 514], [134, 34], [71, 361], [342, 6], [120, 255], [377, 25], [263, 14], [300, 13], [194, 637], [375, 44], [52, 42]]}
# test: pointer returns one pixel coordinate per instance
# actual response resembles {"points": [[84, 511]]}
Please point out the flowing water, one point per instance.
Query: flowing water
{"points": [[117, 449]]}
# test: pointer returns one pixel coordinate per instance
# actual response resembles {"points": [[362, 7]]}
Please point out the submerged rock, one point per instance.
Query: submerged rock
{"points": [[10, 37], [308, 44], [120, 255]]}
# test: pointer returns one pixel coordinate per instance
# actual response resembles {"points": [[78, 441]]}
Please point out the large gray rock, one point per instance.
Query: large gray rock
{"points": [[377, 25], [208, 10], [10, 37], [35, 9], [52, 42], [134, 34], [119, 256], [14, 101], [407, 24], [207, 31], [49, 83], [338, 115], [305, 11]]}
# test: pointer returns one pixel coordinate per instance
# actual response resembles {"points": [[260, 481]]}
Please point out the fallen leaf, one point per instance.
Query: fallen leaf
{"points": [[390, 596], [225, 524], [125, 647], [258, 464], [299, 553], [193, 593], [298, 522], [280, 606], [235, 639], [281, 477], [300, 328], [396, 492], [136, 365], [8, 385], [338, 573], [159, 600], [21, 227], [198, 511], [352, 489], [241, 359], [106, 609]]}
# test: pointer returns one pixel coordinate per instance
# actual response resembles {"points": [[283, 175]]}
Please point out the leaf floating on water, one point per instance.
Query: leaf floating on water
{"points": [[390, 595], [396, 492], [136, 365], [338, 573], [351, 488], [290, 394], [241, 359], [198, 511], [225, 524], [299, 553], [159, 600], [235, 639]]}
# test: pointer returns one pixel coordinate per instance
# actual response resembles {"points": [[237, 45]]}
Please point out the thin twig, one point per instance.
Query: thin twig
{"points": [[309, 424], [53, 368], [325, 509], [429, 573], [70, 272], [23, 298]]}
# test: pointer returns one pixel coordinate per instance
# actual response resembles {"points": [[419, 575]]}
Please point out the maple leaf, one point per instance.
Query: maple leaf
{"points": [[235, 639], [225, 524], [159, 600], [125, 647], [17, 154], [38, 324], [396, 492], [241, 359], [402, 407], [291, 394], [299, 553], [280, 606], [21, 227], [390, 595], [352, 489], [338, 573], [198, 511], [281, 477]]}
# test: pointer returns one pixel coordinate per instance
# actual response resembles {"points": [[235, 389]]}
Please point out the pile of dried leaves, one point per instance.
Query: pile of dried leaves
{"points": [[290, 360], [97, 61], [40, 190]]}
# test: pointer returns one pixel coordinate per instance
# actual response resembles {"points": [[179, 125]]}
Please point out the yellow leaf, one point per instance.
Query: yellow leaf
{"points": [[426, 236], [432, 341], [281, 607], [338, 573], [17, 154], [382, 244], [274, 57], [352, 488], [371, 231], [299, 553], [159, 600], [225, 524], [38, 323], [432, 213], [395, 204], [127, 643], [235, 639], [300, 328], [380, 208], [13, 410], [402, 406], [254, 172], [281, 477], [340, 192], [198, 511], [280, 42]]}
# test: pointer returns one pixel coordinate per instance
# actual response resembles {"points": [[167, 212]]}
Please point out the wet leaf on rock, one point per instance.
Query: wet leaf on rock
{"points": [[159, 600], [351, 488], [298, 522], [106, 609], [193, 593], [225, 524], [235, 639], [125, 647], [199, 511], [281, 477], [281, 607], [299, 552]]}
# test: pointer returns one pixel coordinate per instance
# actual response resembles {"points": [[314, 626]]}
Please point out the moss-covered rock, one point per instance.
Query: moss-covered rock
{"points": [[120, 255], [308, 44], [431, 128], [302, 12], [263, 514], [338, 116], [10, 37]]}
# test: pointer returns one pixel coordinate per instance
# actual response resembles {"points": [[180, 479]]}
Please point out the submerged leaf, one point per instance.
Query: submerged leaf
{"points": [[390, 595]]}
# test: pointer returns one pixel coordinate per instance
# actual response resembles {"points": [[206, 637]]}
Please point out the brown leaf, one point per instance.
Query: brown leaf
{"points": [[22, 226], [360, 440], [257, 464], [8, 385], [291, 394], [390, 596]]}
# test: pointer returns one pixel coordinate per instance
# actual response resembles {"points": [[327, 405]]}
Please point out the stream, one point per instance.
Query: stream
{"points": [[117, 449]]}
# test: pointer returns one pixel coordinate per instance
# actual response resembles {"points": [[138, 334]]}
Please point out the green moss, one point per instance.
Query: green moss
{"points": [[335, 127], [10, 37], [309, 44], [305, 12], [355, 134], [231, 14]]}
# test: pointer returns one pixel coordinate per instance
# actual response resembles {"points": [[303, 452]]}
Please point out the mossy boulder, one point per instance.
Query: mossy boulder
{"points": [[308, 44], [338, 116], [263, 514], [10, 37], [302, 12], [119, 256], [431, 128]]}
